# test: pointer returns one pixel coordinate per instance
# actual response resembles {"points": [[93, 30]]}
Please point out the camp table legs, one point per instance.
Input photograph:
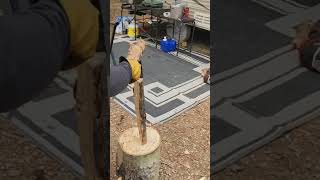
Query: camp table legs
{"points": [[192, 35], [179, 38]]}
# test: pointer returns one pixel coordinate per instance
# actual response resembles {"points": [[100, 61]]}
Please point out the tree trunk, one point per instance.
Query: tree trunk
{"points": [[139, 162]]}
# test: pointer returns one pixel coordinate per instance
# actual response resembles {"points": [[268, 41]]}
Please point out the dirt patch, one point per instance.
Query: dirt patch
{"points": [[293, 156], [22, 159]]}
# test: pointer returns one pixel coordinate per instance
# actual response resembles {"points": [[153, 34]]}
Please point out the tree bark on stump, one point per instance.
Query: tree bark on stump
{"points": [[140, 162]]}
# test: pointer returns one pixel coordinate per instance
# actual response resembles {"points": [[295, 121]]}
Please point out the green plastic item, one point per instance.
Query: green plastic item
{"points": [[147, 2], [153, 3]]}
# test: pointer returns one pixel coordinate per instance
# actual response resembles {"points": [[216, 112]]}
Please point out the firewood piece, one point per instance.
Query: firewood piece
{"points": [[205, 73], [140, 109]]}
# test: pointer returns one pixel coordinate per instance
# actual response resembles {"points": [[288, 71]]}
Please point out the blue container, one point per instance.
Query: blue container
{"points": [[172, 45], [168, 45]]}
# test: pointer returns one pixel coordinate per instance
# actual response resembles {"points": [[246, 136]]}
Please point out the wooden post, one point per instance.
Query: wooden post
{"points": [[140, 111], [139, 146], [87, 94]]}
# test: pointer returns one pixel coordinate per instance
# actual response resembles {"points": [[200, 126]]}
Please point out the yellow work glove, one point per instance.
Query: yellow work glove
{"points": [[84, 30], [135, 53]]}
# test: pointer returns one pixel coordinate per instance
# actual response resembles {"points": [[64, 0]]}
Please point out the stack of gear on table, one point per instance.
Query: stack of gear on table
{"points": [[147, 3]]}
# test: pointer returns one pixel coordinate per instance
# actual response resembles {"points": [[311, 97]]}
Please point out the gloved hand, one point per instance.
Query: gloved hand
{"points": [[84, 30], [135, 53]]}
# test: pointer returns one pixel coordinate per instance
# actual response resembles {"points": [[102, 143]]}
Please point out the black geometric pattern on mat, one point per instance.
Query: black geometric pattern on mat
{"points": [[198, 92], [307, 2], [68, 119], [273, 101], [49, 129], [157, 111], [53, 90], [157, 90], [222, 129], [53, 141], [172, 84], [241, 34], [159, 66], [261, 113]]}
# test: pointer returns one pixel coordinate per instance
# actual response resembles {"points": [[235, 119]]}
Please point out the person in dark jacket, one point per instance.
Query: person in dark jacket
{"points": [[37, 42]]}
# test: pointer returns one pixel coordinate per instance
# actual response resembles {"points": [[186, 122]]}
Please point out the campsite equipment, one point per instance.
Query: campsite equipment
{"points": [[186, 12], [186, 31], [124, 23], [133, 29], [166, 14], [131, 1], [200, 11], [176, 11], [147, 2], [172, 44], [153, 3], [168, 45], [164, 45]]}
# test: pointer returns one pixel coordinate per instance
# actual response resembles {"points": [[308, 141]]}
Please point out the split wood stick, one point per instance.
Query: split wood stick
{"points": [[88, 95], [140, 109]]}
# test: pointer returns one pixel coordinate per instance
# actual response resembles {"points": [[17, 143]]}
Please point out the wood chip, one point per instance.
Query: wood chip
{"points": [[186, 152]]}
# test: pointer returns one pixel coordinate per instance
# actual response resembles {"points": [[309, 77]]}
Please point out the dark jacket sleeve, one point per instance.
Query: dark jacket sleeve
{"points": [[33, 46], [120, 77]]}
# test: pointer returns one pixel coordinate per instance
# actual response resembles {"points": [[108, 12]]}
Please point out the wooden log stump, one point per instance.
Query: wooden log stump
{"points": [[140, 161]]}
